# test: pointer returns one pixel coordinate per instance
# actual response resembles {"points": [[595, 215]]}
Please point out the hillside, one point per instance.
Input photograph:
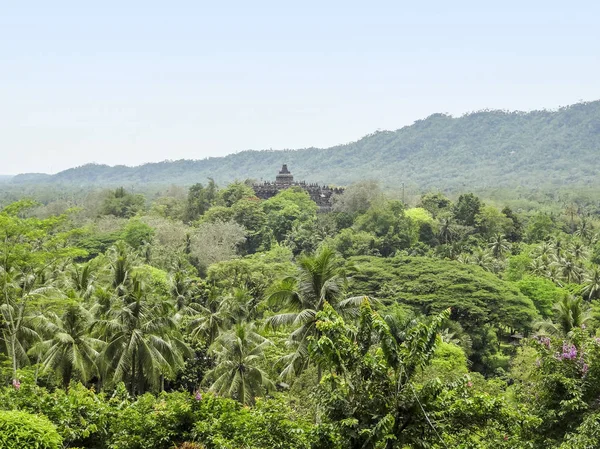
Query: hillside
{"points": [[479, 150]]}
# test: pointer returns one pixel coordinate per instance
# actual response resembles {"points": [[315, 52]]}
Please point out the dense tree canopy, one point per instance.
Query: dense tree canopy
{"points": [[214, 319]]}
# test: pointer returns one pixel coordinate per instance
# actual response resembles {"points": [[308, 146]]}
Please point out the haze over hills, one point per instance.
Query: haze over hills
{"points": [[478, 150]]}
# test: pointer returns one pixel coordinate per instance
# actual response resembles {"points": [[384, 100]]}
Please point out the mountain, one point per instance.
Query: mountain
{"points": [[478, 150], [5, 178]]}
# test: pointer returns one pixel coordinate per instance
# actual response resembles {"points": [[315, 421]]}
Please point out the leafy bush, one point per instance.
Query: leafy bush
{"points": [[81, 416], [19, 430], [154, 422], [225, 424]]}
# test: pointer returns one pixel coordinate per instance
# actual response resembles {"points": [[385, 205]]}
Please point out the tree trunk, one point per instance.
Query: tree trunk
{"points": [[67, 373], [140, 380], [133, 362], [13, 347]]}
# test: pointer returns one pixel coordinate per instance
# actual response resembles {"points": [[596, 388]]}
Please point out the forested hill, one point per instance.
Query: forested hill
{"points": [[479, 150]]}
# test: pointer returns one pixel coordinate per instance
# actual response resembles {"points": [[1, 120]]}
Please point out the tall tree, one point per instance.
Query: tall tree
{"points": [[591, 288], [237, 373], [499, 245], [143, 340], [570, 313], [29, 249], [368, 392], [69, 348], [319, 282]]}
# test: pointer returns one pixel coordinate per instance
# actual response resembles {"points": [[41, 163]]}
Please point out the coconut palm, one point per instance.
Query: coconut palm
{"points": [[570, 313], [558, 247], [446, 229], [482, 259], [319, 282], [585, 230], [143, 342], [499, 245], [120, 266], [69, 348], [569, 269], [554, 274], [578, 250], [591, 288], [237, 373], [18, 324], [538, 266], [239, 305], [544, 249], [209, 319], [82, 280]]}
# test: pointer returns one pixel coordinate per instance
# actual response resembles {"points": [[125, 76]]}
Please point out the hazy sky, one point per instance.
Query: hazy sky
{"points": [[129, 82]]}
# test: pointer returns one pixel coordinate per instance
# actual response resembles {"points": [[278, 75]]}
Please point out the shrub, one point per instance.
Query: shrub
{"points": [[20, 430]]}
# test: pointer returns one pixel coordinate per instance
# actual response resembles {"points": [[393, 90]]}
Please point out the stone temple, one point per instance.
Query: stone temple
{"points": [[322, 195]]}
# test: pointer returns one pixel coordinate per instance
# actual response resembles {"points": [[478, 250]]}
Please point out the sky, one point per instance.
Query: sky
{"points": [[130, 82]]}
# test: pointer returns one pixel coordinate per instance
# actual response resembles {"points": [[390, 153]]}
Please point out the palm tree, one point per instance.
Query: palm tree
{"points": [[538, 266], [557, 246], [569, 269], [209, 319], [578, 250], [120, 265], [499, 245], [554, 274], [585, 230], [237, 374], [446, 229], [483, 260], [545, 249], [17, 322], [183, 289], [572, 210], [82, 280], [143, 342], [69, 348], [591, 289], [239, 305], [570, 313], [319, 282]]}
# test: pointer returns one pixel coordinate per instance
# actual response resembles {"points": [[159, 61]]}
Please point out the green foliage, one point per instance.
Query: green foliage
{"points": [[540, 227], [543, 292], [137, 233], [289, 208], [563, 385], [20, 430], [518, 266], [237, 373], [475, 296], [223, 423], [81, 417], [484, 149], [250, 291], [199, 200], [256, 273], [435, 203], [466, 209], [155, 422], [368, 393], [478, 299], [235, 192], [122, 204]]}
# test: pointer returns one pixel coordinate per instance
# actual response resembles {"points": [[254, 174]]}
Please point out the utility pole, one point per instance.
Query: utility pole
{"points": [[403, 202]]}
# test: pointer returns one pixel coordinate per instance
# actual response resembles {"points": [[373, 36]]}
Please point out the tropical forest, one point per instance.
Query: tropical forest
{"points": [[203, 317]]}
